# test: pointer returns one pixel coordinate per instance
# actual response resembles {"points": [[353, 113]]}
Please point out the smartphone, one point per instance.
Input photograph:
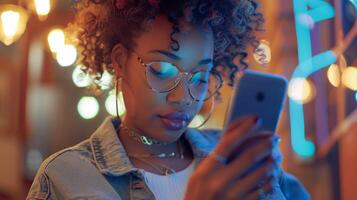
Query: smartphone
{"points": [[260, 94]]}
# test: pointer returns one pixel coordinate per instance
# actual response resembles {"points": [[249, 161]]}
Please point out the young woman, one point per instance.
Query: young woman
{"points": [[168, 57]]}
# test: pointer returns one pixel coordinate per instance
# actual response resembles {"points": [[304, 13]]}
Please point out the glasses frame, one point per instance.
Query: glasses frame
{"points": [[181, 75]]}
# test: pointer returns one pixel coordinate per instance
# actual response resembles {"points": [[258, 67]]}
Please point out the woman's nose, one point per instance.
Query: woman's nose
{"points": [[180, 95]]}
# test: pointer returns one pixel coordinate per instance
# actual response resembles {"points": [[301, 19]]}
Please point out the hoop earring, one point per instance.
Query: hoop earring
{"points": [[209, 114], [117, 83]]}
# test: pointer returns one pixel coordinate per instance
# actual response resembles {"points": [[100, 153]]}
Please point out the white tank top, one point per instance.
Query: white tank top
{"points": [[172, 186]]}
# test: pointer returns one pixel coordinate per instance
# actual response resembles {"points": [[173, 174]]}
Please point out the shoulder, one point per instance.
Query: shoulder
{"points": [[62, 168]]}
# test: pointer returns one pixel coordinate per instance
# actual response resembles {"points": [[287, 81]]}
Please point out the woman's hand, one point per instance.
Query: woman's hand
{"points": [[242, 166]]}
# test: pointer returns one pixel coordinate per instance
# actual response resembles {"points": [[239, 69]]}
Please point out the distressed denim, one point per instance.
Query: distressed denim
{"points": [[99, 168]]}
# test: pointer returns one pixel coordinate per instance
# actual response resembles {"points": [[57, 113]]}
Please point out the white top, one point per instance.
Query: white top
{"points": [[172, 186]]}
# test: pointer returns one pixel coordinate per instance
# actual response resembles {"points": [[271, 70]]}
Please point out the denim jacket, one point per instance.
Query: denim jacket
{"points": [[99, 168]]}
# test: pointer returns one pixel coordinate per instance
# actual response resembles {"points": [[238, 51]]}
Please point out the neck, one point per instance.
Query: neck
{"points": [[133, 145]]}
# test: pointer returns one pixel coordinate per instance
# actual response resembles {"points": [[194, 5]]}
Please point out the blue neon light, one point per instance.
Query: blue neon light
{"points": [[308, 64]]}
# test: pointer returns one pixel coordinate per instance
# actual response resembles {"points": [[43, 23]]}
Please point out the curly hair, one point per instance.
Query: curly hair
{"points": [[101, 24]]}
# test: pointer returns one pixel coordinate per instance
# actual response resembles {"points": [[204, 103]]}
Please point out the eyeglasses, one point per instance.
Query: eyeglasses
{"points": [[163, 76]]}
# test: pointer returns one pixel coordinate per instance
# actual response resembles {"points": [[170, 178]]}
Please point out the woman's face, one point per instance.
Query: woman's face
{"points": [[163, 116]]}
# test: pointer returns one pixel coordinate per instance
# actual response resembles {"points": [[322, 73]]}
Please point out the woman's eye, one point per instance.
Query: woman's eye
{"points": [[163, 69], [200, 78]]}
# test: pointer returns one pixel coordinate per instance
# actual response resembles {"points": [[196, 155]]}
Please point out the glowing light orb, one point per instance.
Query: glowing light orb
{"points": [[67, 55], [88, 107], [306, 20], [333, 75], [110, 104], [56, 40], [43, 7], [13, 23], [262, 54], [80, 78], [197, 121], [301, 90], [349, 78], [106, 81]]}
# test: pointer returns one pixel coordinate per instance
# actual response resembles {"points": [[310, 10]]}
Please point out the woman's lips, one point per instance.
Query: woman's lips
{"points": [[174, 121], [173, 125]]}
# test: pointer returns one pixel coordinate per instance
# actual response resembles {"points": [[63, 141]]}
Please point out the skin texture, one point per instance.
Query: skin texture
{"points": [[212, 179]]}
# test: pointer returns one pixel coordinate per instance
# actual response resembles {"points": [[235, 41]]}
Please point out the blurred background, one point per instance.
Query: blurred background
{"points": [[44, 106]]}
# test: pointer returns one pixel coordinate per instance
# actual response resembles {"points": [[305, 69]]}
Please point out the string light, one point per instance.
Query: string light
{"points": [[333, 75], [301, 90], [80, 78], [43, 8], [56, 40], [88, 107], [67, 55], [13, 23], [349, 78]]}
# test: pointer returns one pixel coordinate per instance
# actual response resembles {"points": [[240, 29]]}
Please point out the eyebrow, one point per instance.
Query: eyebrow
{"points": [[175, 57]]}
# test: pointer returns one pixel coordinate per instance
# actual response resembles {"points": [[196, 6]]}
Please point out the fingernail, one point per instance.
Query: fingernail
{"points": [[258, 122]]}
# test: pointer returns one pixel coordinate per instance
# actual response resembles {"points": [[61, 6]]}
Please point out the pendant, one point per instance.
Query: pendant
{"points": [[146, 140]]}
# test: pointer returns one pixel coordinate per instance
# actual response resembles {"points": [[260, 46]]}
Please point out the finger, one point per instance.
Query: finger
{"points": [[227, 143], [250, 158], [243, 186], [262, 192]]}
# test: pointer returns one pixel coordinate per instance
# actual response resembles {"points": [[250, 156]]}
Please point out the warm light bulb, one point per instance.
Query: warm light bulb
{"points": [[88, 107], [301, 90], [67, 55], [349, 78], [80, 78], [10, 20], [43, 7], [262, 54], [56, 40], [13, 20], [333, 75]]}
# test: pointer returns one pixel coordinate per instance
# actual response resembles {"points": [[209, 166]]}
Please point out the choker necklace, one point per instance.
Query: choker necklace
{"points": [[179, 155], [143, 139]]}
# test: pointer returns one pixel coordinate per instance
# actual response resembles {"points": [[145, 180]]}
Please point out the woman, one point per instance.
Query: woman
{"points": [[168, 57]]}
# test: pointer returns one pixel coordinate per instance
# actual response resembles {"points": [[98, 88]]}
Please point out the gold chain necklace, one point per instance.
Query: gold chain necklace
{"points": [[146, 140]]}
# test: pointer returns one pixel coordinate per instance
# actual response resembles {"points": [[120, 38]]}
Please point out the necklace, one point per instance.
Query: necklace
{"points": [[146, 140], [162, 169], [179, 155]]}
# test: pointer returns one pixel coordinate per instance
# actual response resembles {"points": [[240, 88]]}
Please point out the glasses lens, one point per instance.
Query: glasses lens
{"points": [[204, 84], [162, 76]]}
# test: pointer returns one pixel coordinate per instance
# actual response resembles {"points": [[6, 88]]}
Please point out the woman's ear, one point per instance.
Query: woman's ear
{"points": [[119, 57]]}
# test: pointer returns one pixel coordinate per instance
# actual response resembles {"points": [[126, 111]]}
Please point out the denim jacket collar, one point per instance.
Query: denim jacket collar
{"points": [[111, 158]]}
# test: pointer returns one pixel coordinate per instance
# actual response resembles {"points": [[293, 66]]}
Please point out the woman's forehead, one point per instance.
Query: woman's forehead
{"points": [[158, 36]]}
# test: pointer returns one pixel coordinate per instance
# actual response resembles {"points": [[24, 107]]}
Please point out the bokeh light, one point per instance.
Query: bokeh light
{"points": [[197, 121], [106, 80], [67, 55], [43, 7], [349, 78], [356, 97], [334, 75], [301, 90], [306, 20], [262, 54], [111, 106], [56, 40], [13, 23], [88, 107], [80, 78]]}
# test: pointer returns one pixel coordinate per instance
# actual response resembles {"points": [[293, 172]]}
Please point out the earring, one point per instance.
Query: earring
{"points": [[117, 86], [209, 113]]}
